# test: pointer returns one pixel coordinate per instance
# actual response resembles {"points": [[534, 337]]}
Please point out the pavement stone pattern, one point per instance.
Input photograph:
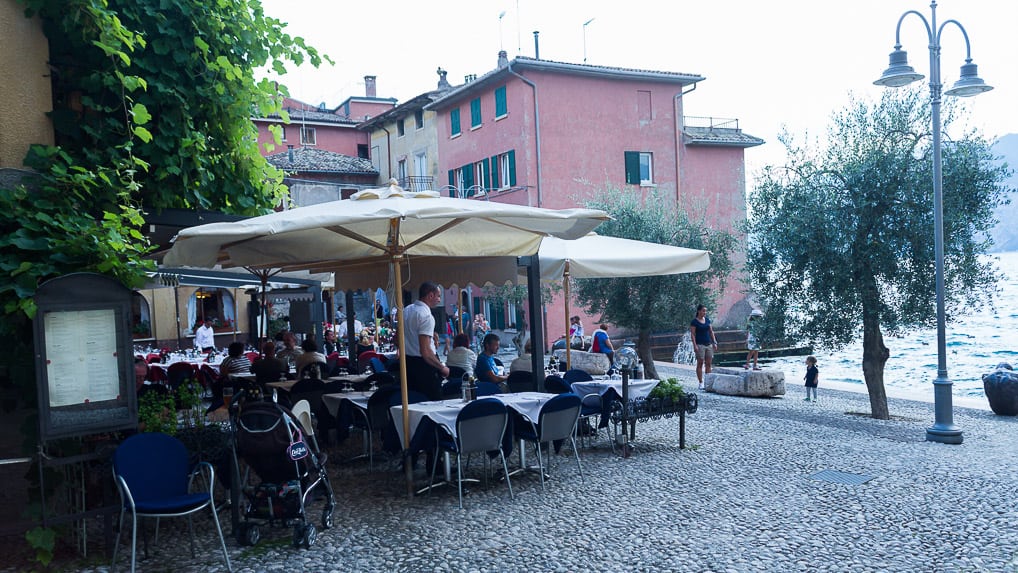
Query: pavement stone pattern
{"points": [[739, 499]]}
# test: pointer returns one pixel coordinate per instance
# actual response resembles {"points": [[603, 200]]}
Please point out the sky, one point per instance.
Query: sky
{"points": [[774, 66]]}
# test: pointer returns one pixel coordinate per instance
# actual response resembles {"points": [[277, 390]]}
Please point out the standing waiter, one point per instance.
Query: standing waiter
{"points": [[423, 368]]}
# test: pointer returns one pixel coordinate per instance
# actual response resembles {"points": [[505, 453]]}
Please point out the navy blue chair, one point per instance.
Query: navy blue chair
{"points": [[154, 477], [520, 381], [557, 421], [577, 375], [377, 365], [480, 426], [554, 384]]}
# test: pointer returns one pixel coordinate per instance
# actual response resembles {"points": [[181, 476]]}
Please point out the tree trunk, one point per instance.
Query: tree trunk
{"points": [[874, 356], [643, 350]]}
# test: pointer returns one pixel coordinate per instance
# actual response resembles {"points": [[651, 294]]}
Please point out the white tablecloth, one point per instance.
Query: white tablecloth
{"points": [[638, 388], [444, 412], [359, 399]]}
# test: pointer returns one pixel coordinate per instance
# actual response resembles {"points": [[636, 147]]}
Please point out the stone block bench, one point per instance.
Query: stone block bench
{"points": [[739, 382]]}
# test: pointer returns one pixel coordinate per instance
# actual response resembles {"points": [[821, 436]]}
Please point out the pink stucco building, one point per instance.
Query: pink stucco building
{"points": [[543, 133]]}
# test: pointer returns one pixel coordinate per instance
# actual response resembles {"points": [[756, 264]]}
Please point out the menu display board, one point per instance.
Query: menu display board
{"points": [[84, 356], [81, 356]]}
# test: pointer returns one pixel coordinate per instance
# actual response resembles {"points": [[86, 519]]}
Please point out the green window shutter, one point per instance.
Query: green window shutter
{"points": [[468, 178], [512, 168], [486, 168], [500, 103], [454, 122], [475, 112], [633, 167], [452, 182], [495, 173]]}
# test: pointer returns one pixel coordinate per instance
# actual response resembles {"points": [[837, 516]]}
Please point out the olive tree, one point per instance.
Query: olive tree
{"points": [[651, 304], [841, 239]]}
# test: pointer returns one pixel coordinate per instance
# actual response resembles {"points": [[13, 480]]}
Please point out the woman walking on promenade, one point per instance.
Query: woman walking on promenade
{"points": [[705, 343], [812, 377]]}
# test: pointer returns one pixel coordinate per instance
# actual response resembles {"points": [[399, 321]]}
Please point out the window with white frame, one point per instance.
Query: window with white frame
{"points": [[307, 136], [639, 168], [401, 169]]}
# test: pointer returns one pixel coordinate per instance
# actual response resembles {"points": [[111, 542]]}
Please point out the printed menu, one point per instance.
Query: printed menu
{"points": [[81, 356]]}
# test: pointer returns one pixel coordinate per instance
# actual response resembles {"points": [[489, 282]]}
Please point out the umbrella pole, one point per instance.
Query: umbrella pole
{"points": [[408, 469], [565, 304]]}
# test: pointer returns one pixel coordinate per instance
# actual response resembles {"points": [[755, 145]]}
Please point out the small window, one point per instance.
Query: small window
{"points": [[401, 170], [282, 132], [639, 168], [454, 122], [475, 113], [482, 177], [400, 127], [362, 151], [307, 136], [500, 103], [419, 119]]}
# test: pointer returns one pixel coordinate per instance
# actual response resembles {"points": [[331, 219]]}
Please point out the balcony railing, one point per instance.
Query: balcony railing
{"points": [[710, 122], [418, 183]]}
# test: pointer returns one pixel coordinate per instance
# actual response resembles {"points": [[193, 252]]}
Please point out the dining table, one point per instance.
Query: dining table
{"points": [[611, 390], [426, 416]]}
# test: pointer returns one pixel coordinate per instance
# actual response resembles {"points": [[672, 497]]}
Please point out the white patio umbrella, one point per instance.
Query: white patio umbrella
{"points": [[382, 227], [596, 256]]}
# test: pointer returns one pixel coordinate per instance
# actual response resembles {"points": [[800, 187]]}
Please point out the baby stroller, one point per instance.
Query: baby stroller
{"points": [[286, 459]]}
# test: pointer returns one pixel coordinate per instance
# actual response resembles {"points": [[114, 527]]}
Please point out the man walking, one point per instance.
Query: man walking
{"points": [[424, 370]]}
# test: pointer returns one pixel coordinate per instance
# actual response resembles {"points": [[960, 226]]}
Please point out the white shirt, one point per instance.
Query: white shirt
{"points": [[204, 337], [418, 322], [357, 328], [462, 357]]}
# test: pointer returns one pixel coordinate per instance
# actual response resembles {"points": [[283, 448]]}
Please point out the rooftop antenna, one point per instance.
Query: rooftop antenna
{"points": [[519, 41], [585, 39], [501, 15]]}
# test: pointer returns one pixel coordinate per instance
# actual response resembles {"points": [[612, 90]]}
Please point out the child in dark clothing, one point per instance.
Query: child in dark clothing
{"points": [[812, 377]]}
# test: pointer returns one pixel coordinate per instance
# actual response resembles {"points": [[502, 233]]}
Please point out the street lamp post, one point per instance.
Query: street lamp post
{"points": [[898, 74]]}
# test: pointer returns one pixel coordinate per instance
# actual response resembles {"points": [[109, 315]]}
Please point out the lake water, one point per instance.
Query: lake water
{"points": [[976, 343]]}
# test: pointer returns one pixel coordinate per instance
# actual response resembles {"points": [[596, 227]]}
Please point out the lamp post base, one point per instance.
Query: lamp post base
{"points": [[942, 436], [943, 429]]}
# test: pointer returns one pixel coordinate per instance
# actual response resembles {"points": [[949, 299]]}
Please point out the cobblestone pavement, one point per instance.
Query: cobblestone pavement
{"points": [[741, 498]]}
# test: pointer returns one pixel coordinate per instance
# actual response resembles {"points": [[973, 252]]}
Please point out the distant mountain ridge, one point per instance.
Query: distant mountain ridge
{"points": [[1005, 234]]}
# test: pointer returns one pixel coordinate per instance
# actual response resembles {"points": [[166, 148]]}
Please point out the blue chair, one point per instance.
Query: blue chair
{"points": [[520, 381], [377, 365], [480, 426], [154, 478], [557, 421], [577, 375], [554, 384], [487, 389]]}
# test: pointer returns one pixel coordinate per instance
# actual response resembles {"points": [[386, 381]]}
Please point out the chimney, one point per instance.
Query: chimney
{"points": [[443, 83], [369, 86], [503, 59], [290, 153], [537, 48]]}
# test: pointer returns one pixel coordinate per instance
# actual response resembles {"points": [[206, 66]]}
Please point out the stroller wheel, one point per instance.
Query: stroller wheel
{"points": [[249, 534], [327, 518], [305, 535]]}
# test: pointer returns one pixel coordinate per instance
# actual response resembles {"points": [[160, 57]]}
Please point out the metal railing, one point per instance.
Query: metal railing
{"points": [[710, 122], [418, 183]]}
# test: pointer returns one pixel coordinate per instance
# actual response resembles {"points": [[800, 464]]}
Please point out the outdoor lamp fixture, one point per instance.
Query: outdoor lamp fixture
{"points": [[898, 74], [625, 360]]}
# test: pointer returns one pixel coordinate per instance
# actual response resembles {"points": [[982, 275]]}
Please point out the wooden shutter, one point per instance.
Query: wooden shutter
{"points": [[495, 183], [633, 167], [512, 168]]}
